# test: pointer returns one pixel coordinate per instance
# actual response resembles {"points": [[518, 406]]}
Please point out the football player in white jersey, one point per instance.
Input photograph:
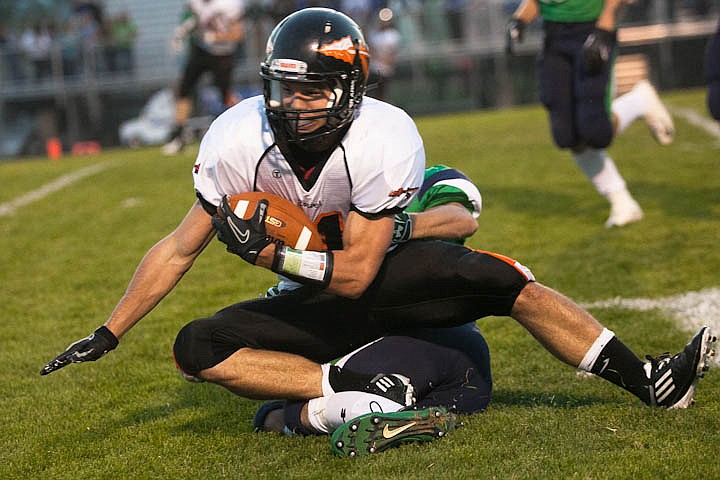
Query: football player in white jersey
{"points": [[314, 139], [215, 31]]}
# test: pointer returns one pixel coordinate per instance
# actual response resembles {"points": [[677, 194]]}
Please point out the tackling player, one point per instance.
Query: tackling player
{"points": [[574, 70], [349, 161]]}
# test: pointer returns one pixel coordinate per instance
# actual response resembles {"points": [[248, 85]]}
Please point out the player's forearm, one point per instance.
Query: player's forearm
{"points": [[352, 273], [347, 272], [606, 20], [450, 221], [157, 274], [365, 243], [188, 25]]}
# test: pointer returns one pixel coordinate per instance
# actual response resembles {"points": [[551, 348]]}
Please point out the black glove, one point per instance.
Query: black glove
{"points": [[245, 238], [514, 33], [402, 230], [596, 51], [88, 349]]}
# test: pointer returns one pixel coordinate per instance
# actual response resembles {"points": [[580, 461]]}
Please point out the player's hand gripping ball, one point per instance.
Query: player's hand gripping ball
{"points": [[284, 221]]}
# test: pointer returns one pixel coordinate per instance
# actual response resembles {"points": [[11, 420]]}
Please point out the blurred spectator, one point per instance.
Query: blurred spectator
{"points": [[434, 23], [407, 17], [384, 42], [120, 43], [12, 60], [68, 40], [455, 12], [91, 8], [35, 44], [90, 26], [88, 34], [359, 10], [279, 9]]}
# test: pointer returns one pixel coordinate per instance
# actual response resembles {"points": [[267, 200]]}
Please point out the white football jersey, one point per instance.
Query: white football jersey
{"points": [[377, 167], [216, 16]]}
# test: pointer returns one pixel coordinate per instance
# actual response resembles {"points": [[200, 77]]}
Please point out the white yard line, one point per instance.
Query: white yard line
{"points": [[691, 309], [9, 208], [701, 121]]}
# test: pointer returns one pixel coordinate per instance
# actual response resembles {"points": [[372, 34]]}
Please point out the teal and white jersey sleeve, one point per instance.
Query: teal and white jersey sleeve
{"points": [[443, 185]]}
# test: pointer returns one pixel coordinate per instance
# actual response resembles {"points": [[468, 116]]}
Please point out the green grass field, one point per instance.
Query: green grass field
{"points": [[66, 259]]}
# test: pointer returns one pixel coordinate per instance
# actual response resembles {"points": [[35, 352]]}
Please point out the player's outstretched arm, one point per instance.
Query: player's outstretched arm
{"points": [[159, 271], [87, 349]]}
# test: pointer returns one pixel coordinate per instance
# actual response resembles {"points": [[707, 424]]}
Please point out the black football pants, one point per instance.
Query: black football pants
{"points": [[420, 284]]}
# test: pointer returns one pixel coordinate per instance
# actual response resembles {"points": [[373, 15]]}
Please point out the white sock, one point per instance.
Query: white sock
{"points": [[326, 388], [316, 414], [591, 356], [628, 108], [600, 169], [328, 413]]}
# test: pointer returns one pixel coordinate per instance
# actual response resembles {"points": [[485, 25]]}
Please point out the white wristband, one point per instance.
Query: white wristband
{"points": [[304, 264]]}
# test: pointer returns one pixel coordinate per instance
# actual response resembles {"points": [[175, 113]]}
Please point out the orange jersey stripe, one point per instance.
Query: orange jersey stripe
{"points": [[510, 261]]}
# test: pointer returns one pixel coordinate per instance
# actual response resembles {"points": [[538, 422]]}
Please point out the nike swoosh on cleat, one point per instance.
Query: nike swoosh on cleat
{"points": [[390, 433]]}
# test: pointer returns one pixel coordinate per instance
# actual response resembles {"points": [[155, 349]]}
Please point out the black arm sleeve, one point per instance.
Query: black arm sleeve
{"points": [[207, 206]]}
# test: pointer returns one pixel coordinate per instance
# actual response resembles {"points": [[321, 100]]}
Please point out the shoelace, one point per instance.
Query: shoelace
{"points": [[655, 361]]}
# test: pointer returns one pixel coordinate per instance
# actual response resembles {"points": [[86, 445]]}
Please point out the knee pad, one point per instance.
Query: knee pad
{"points": [[185, 351], [562, 129], [493, 272], [206, 342], [474, 395], [470, 393], [594, 124], [495, 278]]}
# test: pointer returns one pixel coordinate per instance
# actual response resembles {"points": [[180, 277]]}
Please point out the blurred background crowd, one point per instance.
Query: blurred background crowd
{"points": [[78, 69]]}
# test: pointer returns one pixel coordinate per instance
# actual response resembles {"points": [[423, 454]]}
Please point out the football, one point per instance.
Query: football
{"points": [[284, 221]]}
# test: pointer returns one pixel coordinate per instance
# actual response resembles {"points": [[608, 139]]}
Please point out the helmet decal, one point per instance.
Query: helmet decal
{"points": [[288, 65], [345, 50]]}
